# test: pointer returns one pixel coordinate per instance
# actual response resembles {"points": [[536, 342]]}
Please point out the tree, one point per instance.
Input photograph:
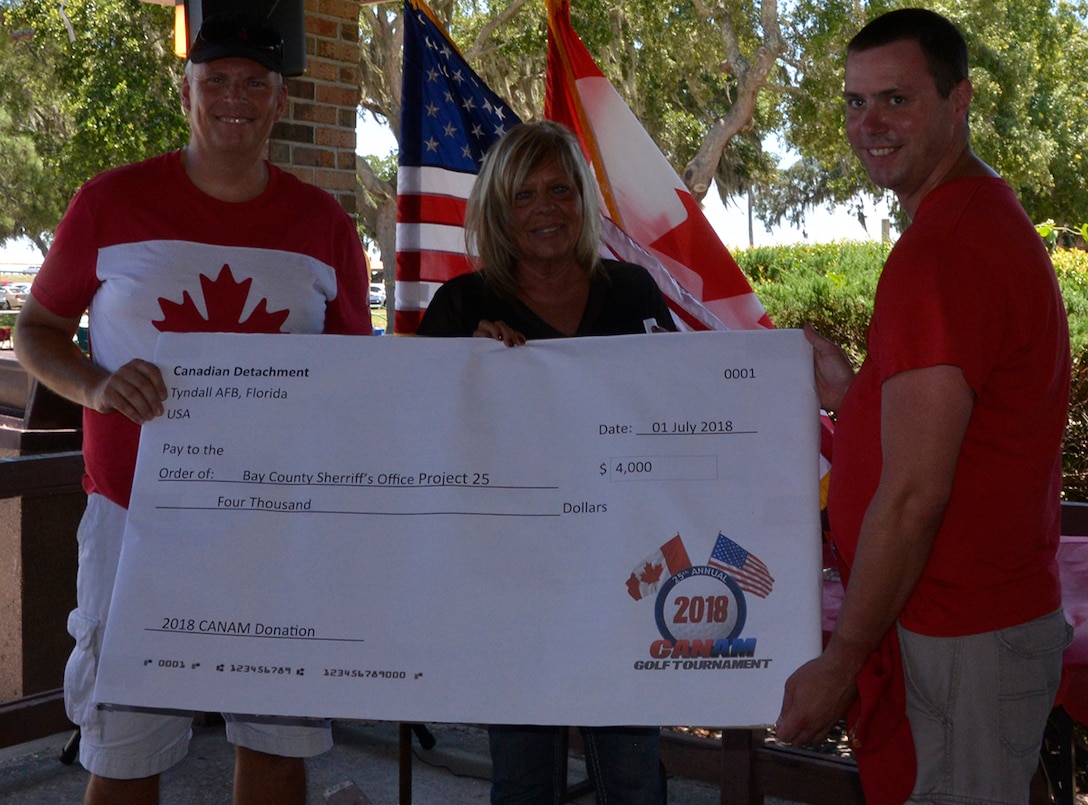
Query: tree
{"points": [[655, 53], [1028, 117], [1038, 106], [84, 86], [711, 80]]}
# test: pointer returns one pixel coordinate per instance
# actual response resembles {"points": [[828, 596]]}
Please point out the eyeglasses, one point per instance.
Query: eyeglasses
{"points": [[214, 32]]}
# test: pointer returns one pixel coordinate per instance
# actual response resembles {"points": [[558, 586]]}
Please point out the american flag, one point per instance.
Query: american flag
{"points": [[746, 568], [449, 118]]}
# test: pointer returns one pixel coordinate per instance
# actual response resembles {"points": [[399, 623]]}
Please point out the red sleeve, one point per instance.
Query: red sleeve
{"points": [[68, 278], [349, 312]]}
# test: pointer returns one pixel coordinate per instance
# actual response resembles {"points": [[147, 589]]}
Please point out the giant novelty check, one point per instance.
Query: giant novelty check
{"points": [[613, 530]]}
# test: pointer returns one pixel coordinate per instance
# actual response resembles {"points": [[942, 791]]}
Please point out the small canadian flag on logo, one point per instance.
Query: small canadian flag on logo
{"points": [[667, 561]]}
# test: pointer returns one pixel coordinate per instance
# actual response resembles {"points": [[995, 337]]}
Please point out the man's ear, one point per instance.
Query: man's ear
{"points": [[961, 96], [185, 90], [281, 100]]}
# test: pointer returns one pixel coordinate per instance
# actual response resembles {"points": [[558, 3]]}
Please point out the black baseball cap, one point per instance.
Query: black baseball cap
{"points": [[238, 33]]}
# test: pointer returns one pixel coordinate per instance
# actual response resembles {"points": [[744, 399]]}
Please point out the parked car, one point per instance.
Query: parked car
{"points": [[377, 294], [15, 295]]}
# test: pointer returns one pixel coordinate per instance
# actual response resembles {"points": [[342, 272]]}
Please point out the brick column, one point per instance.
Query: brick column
{"points": [[315, 140]]}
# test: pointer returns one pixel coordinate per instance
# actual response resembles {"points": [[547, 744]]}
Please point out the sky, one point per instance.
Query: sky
{"points": [[19, 254], [730, 222], [821, 225]]}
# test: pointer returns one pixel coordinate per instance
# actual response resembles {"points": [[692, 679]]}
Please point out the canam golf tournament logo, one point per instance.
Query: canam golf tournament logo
{"points": [[701, 610]]}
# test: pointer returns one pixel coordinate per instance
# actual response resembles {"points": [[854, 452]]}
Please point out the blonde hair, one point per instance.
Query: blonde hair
{"points": [[506, 166]]}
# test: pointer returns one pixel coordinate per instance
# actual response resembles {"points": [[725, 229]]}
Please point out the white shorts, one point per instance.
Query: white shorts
{"points": [[123, 743]]}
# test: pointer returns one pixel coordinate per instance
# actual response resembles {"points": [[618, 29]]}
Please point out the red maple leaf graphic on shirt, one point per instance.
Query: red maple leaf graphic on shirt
{"points": [[225, 300], [650, 574]]}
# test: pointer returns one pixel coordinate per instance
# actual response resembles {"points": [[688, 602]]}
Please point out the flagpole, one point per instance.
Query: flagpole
{"points": [[555, 8]]}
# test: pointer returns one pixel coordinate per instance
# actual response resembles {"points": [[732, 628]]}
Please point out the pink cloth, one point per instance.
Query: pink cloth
{"points": [[1073, 567]]}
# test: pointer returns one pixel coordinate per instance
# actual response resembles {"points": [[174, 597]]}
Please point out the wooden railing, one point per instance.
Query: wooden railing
{"points": [[31, 717], [41, 475], [28, 477]]}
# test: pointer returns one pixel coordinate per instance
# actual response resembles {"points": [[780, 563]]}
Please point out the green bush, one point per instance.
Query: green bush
{"points": [[832, 286], [1071, 266], [1072, 269]]}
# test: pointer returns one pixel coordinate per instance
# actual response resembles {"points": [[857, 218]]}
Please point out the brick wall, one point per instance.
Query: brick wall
{"points": [[315, 140]]}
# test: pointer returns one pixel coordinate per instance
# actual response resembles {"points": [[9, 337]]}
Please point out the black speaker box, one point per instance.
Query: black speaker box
{"points": [[288, 17]]}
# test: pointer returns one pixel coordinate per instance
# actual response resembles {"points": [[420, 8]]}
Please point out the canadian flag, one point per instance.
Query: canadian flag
{"points": [[642, 194], [669, 560]]}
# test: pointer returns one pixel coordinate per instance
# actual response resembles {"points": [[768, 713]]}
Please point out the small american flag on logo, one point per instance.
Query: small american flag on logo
{"points": [[746, 568]]}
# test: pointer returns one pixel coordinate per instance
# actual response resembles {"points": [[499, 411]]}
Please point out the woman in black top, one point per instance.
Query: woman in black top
{"points": [[533, 225]]}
